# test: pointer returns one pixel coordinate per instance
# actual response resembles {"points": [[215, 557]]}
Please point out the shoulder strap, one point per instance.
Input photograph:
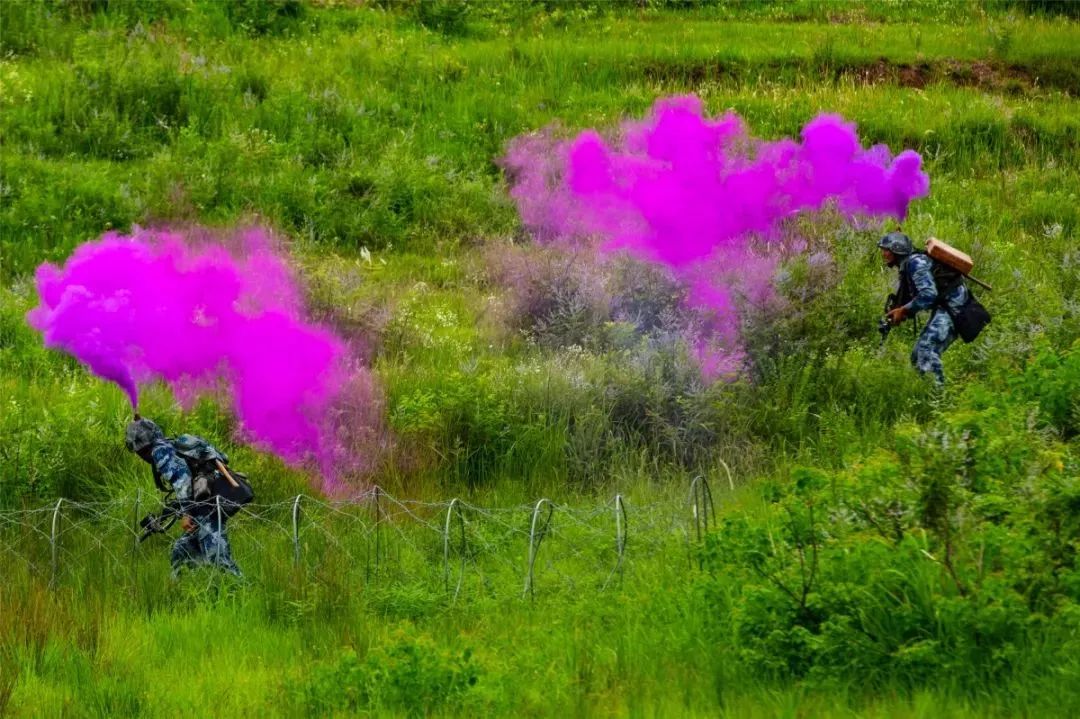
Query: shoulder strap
{"points": [[905, 290], [159, 483], [946, 280]]}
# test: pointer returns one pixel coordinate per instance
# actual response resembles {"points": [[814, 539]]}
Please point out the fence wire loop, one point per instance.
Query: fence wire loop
{"points": [[535, 538]]}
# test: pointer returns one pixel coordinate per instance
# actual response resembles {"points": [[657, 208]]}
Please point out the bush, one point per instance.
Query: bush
{"points": [[950, 556], [449, 17], [266, 17], [412, 675], [1053, 380]]}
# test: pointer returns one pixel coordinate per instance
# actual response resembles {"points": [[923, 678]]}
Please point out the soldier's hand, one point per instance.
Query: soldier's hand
{"points": [[188, 524], [897, 315]]}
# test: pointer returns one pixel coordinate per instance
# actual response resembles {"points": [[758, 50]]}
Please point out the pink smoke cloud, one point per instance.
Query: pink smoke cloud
{"points": [[160, 305], [704, 198]]}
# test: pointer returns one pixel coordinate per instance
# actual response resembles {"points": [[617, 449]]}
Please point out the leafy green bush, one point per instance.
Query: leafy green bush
{"points": [[410, 674], [952, 555], [1053, 380], [449, 17], [266, 17]]}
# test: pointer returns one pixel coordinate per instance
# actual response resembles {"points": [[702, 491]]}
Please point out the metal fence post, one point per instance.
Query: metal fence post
{"points": [[621, 526], [220, 529], [378, 527], [54, 542], [454, 505], [702, 510], [135, 538], [730, 481], [135, 533], [377, 511], [296, 529], [534, 543]]}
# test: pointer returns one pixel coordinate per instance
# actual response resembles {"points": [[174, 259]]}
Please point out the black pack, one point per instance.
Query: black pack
{"points": [[970, 319], [208, 482], [231, 498]]}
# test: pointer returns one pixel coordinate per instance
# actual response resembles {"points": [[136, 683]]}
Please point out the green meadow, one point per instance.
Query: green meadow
{"points": [[877, 548]]}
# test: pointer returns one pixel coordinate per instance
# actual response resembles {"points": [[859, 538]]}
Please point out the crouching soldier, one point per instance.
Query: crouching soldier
{"points": [[188, 467], [925, 285]]}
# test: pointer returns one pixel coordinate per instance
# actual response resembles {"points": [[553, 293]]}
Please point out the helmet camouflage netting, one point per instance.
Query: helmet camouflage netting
{"points": [[897, 242], [140, 434]]}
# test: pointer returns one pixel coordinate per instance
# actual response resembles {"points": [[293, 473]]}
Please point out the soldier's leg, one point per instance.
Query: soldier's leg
{"points": [[936, 337], [215, 544], [186, 551]]}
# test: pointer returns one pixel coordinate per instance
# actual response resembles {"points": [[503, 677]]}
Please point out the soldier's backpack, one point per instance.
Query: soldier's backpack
{"points": [[949, 267], [210, 483]]}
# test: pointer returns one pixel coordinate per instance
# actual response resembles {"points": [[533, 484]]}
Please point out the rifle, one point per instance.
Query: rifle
{"points": [[884, 327], [161, 522]]}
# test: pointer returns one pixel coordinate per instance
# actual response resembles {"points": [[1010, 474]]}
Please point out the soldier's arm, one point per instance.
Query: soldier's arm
{"points": [[173, 470], [925, 290]]}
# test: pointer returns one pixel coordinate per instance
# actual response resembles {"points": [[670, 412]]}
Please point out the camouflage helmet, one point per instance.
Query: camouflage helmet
{"points": [[897, 243], [140, 434]]}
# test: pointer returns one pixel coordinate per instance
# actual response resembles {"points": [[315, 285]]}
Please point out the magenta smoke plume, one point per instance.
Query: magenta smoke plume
{"points": [[154, 306], [702, 196]]}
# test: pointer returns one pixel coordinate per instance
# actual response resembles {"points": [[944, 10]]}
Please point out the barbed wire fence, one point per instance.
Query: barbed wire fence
{"points": [[376, 539]]}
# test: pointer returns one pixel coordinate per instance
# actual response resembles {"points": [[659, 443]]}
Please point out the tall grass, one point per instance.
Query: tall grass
{"points": [[379, 133]]}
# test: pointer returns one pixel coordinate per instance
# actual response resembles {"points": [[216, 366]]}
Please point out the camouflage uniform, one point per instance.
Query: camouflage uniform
{"points": [[209, 542], [939, 332]]}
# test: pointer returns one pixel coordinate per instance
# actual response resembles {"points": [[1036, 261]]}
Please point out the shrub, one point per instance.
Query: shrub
{"points": [[1053, 380], [948, 556], [555, 299], [449, 17], [266, 17], [412, 675]]}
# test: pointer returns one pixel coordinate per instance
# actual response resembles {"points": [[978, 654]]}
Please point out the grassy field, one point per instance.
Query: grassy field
{"points": [[886, 550]]}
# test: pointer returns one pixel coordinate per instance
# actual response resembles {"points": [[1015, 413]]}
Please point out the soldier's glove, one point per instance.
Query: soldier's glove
{"points": [[897, 315], [188, 524]]}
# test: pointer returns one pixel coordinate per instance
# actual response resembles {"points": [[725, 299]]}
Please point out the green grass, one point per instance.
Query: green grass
{"points": [[387, 135], [944, 526]]}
